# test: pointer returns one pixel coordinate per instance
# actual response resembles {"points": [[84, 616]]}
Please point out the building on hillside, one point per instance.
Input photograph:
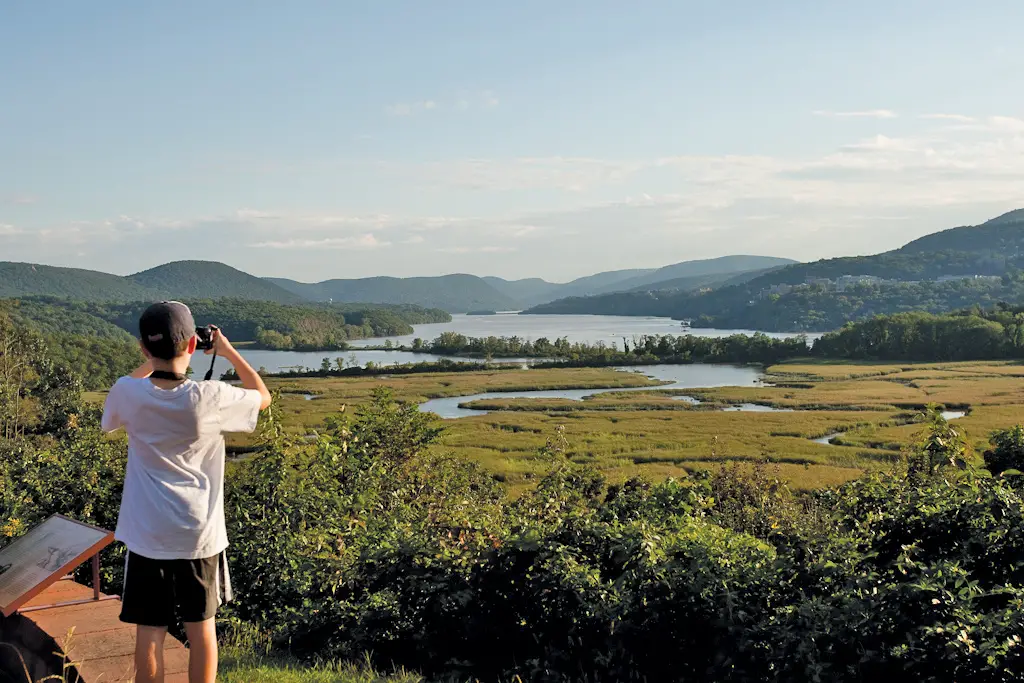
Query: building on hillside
{"points": [[952, 278], [846, 281], [774, 290]]}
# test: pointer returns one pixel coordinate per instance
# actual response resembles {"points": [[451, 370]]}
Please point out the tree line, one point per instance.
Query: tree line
{"points": [[972, 334], [737, 348]]}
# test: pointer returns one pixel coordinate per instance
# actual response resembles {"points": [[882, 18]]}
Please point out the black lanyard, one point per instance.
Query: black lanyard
{"points": [[163, 374]]}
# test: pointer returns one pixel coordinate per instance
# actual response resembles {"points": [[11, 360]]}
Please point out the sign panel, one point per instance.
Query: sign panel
{"points": [[37, 560]]}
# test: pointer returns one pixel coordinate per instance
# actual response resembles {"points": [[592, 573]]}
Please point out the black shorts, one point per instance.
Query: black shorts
{"points": [[162, 592]]}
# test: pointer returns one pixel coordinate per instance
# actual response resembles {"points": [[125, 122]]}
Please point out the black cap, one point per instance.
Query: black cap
{"points": [[165, 325]]}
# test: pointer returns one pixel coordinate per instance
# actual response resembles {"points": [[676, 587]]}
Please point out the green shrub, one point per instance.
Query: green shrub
{"points": [[1007, 452]]}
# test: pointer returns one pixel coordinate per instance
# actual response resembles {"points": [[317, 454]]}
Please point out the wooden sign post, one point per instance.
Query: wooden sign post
{"points": [[44, 556]]}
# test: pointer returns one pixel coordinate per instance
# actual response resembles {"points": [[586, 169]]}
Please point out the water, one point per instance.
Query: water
{"points": [[576, 328], [278, 361], [755, 408], [947, 414], [676, 376]]}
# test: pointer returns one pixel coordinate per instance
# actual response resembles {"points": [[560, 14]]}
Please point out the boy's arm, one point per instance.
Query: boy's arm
{"points": [[111, 420], [249, 377]]}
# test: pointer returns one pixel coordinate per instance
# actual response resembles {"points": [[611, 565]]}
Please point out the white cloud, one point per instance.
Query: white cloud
{"points": [[1006, 123], [948, 117], [8, 229], [367, 241], [867, 114], [862, 197]]}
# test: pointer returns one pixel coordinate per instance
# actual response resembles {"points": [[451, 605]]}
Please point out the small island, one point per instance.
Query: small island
{"points": [[481, 313]]}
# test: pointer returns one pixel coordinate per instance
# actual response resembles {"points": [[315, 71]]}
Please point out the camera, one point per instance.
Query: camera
{"points": [[204, 335]]}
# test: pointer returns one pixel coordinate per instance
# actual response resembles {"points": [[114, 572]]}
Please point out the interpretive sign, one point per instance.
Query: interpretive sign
{"points": [[37, 560]]}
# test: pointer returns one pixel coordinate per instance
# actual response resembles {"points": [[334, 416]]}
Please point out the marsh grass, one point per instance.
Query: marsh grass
{"points": [[653, 432]]}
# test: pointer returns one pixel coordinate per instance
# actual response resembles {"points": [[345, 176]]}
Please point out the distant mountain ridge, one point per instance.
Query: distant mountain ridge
{"points": [[783, 298], [23, 279], [176, 280], [684, 275], [210, 279], [457, 293]]}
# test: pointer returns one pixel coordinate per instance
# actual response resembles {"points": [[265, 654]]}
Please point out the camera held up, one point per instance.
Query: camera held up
{"points": [[204, 335]]}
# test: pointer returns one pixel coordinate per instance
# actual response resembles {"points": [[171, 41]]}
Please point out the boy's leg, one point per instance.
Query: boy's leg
{"points": [[149, 654], [148, 603], [198, 589], [202, 651]]}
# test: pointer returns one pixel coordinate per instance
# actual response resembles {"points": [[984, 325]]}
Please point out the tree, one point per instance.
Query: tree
{"points": [[942, 445]]}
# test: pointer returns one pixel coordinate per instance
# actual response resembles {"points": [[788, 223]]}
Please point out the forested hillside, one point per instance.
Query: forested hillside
{"points": [[453, 293], [825, 294], [210, 280], [266, 324], [178, 280], [716, 269], [26, 279], [999, 237], [678, 276]]}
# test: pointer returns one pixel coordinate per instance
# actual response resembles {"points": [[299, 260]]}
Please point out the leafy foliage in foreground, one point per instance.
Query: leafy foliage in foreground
{"points": [[721, 577]]}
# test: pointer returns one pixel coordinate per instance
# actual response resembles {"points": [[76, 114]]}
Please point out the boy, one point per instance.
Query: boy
{"points": [[172, 508]]}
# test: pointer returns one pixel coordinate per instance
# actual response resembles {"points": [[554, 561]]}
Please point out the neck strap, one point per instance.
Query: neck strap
{"points": [[163, 374]]}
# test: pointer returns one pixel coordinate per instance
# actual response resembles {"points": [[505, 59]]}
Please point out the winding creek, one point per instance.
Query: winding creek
{"points": [[828, 438], [695, 376]]}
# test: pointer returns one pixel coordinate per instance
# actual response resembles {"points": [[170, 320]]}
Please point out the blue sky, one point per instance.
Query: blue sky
{"points": [[553, 139]]}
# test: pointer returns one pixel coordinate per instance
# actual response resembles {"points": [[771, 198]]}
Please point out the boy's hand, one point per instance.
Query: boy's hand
{"points": [[221, 344]]}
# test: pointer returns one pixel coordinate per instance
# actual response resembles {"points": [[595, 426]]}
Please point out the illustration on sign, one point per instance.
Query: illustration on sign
{"points": [[43, 555]]}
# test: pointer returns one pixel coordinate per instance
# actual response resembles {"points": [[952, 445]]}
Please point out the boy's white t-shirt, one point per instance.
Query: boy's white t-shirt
{"points": [[173, 501]]}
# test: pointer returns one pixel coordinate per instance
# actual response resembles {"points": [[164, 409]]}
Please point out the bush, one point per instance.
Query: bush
{"points": [[1007, 452]]}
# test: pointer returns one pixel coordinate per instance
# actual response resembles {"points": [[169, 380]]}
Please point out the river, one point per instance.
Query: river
{"points": [[676, 377], [576, 328]]}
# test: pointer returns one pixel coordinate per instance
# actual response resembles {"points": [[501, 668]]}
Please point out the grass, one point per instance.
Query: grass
{"points": [[238, 666], [650, 432]]}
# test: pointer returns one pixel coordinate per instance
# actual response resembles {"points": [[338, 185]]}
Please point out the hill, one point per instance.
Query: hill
{"points": [[684, 275], [695, 282], [24, 279], [210, 280], [452, 293], [528, 292], [50, 317], [602, 282], [812, 296], [715, 269], [178, 280], [1001, 236]]}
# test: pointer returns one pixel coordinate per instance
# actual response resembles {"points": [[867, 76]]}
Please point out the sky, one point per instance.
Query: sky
{"points": [[536, 138]]}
